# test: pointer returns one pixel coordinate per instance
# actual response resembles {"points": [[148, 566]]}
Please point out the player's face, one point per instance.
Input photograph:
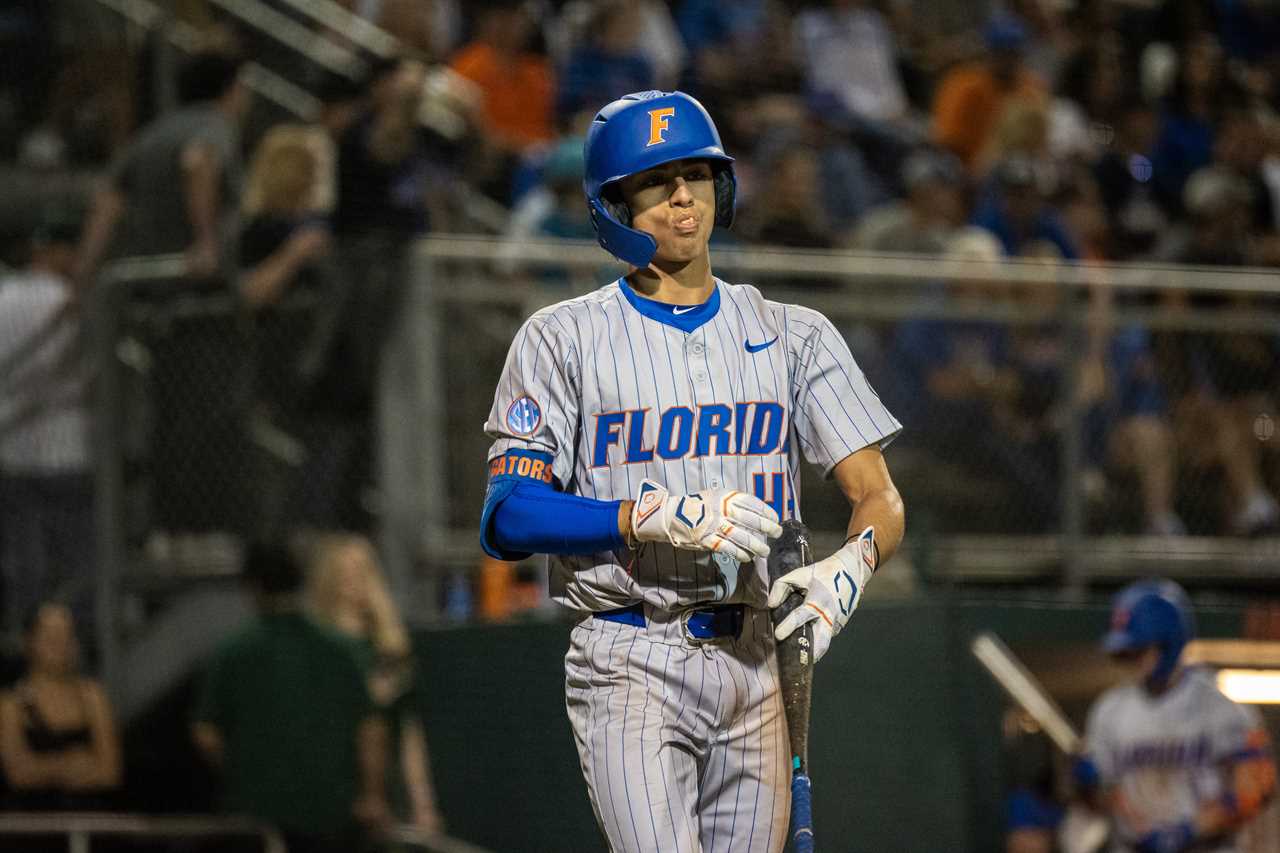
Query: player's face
{"points": [[676, 203], [1140, 663]]}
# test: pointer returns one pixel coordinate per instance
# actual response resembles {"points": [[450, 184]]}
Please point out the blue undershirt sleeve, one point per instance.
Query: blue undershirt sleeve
{"points": [[524, 514]]}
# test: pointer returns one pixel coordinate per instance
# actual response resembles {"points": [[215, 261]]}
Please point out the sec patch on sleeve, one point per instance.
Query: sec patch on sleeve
{"points": [[524, 415]]}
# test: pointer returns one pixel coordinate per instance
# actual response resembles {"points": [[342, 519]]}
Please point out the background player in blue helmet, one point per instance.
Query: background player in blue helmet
{"points": [[648, 437], [1177, 765]]}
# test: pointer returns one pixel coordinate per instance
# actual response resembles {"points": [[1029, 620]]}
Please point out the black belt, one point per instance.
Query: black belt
{"points": [[705, 623]]}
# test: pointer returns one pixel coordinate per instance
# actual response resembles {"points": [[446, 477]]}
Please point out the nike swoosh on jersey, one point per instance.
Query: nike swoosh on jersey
{"points": [[683, 310], [757, 347]]}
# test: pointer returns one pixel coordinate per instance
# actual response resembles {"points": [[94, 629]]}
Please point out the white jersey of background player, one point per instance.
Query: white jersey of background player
{"points": [[1176, 764], [648, 436]]}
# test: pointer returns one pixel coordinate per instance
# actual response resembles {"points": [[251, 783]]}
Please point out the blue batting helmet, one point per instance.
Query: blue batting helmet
{"points": [[635, 133], [1152, 613]]}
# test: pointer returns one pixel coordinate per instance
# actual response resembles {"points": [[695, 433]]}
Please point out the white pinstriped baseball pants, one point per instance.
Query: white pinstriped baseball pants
{"points": [[683, 743]]}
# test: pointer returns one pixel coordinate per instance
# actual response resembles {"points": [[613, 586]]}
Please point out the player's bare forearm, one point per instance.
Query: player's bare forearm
{"points": [[864, 479], [884, 511]]}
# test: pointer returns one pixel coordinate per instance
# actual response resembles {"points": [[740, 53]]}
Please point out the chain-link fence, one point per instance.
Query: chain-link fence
{"points": [[1081, 418], [1061, 422]]}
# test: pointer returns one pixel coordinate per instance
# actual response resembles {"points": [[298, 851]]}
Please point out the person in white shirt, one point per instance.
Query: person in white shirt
{"points": [[46, 501]]}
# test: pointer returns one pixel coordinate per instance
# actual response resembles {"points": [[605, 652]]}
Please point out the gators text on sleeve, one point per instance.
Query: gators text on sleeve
{"points": [[525, 514]]}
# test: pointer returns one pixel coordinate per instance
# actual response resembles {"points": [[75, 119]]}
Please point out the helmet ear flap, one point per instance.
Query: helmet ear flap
{"points": [[617, 208], [726, 189]]}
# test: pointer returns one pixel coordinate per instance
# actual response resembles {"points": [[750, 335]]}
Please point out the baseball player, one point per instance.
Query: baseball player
{"points": [[648, 437], [1177, 765]]}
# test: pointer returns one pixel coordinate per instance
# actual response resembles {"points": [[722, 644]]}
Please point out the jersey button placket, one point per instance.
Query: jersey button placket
{"points": [[697, 352]]}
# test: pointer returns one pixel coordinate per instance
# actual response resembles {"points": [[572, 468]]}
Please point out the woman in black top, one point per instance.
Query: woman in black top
{"points": [[59, 745]]}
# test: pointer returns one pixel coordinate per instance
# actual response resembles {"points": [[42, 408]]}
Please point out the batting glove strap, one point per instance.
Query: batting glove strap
{"points": [[722, 520], [832, 589]]}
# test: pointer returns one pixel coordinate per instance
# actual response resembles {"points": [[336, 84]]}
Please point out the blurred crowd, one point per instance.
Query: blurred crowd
{"points": [[1094, 130], [308, 716]]}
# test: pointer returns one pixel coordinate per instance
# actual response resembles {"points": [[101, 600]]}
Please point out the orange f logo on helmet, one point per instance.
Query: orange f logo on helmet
{"points": [[658, 120]]}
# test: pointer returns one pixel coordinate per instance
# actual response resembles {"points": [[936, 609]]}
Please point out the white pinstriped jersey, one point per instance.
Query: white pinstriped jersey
{"points": [[729, 394], [1164, 755]]}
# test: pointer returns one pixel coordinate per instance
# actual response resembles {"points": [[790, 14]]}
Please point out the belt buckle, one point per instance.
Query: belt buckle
{"points": [[714, 639], [689, 636]]}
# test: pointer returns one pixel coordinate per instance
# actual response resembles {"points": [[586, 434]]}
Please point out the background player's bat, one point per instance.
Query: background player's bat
{"points": [[790, 551], [1082, 831]]}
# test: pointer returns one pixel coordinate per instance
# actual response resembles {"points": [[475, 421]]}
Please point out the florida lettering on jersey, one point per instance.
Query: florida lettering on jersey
{"points": [[733, 393], [712, 429], [1194, 751]]}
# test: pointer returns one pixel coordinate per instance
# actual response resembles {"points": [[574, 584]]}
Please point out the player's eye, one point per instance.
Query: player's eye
{"points": [[701, 173]]}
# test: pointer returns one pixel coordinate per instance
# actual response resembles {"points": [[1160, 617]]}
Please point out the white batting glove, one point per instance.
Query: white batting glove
{"points": [[832, 587], [723, 520]]}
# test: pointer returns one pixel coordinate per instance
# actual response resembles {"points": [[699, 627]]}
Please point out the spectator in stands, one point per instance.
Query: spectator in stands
{"points": [[792, 212], [933, 210], [552, 208], [1221, 379], [46, 489], [31, 64], [286, 714], [848, 52], [1003, 383], [392, 176], [342, 103], [1125, 424], [1135, 220], [412, 22], [1188, 117], [426, 28], [660, 43], [1239, 146], [959, 376], [1016, 207], [59, 745], [284, 231], [608, 63], [346, 591], [286, 246], [1022, 131], [727, 38], [518, 89], [1048, 37], [972, 97], [1090, 98], [175, 188], [385, 159]]}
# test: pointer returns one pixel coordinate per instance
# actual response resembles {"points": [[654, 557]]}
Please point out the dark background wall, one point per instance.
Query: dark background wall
{"points": [[906, 738], [906, 749]]}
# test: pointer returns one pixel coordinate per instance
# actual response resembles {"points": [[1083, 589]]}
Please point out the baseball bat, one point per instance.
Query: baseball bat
{"points": [[790, 551], [1082, 831]]}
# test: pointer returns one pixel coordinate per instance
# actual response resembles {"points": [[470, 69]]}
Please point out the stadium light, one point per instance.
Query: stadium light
{"points": [[1250, 686]]}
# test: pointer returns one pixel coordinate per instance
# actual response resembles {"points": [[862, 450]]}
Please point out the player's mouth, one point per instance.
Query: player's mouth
{"points": [[686, 225]]}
